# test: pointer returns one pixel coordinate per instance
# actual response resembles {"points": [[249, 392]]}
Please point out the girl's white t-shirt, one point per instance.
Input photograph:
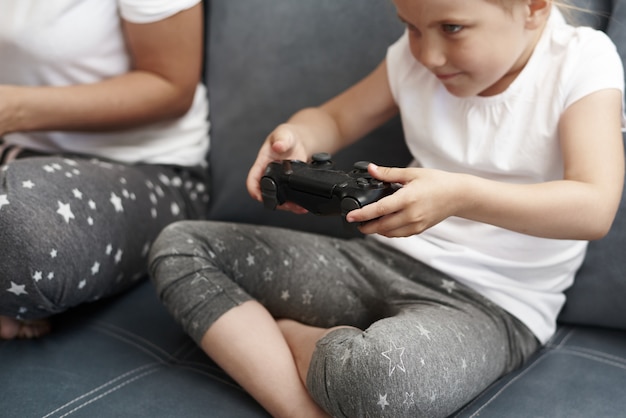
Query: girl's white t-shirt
{"points": [[511, 137], [68, 42]]}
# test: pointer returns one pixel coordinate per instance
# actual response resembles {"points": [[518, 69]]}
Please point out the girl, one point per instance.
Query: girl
{"points": [[103, 137], [514, 120]]}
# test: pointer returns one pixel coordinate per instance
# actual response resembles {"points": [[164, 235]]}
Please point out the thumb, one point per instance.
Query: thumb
{"points": [[282, 139], [388, 174]]}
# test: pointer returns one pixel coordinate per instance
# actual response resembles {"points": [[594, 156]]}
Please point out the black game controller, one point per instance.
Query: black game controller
{"points": [[318, 188]]}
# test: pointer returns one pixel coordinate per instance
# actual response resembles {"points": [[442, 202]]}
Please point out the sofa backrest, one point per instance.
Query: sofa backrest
{"points": [[269, 58]]}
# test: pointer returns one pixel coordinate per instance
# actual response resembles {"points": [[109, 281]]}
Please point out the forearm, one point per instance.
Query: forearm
{"points": [[126, 101], [317, 131], [351, 115], [561, 209]]}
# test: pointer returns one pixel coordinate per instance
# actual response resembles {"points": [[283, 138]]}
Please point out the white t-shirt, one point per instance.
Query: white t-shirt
{"points": [[511, 137], [67, 42]]}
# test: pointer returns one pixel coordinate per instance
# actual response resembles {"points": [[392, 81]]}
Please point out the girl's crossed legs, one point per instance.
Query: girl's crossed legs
{"points": [[412, 341]]}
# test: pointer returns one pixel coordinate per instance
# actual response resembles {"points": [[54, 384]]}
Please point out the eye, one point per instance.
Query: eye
{"points": [[451, 28], [412, 28]]}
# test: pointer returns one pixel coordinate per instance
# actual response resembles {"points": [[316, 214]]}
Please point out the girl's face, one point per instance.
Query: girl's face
{"points": [[474, 47]]}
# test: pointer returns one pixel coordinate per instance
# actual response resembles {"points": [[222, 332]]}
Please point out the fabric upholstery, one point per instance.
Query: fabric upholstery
{"points": [[126, 357]]}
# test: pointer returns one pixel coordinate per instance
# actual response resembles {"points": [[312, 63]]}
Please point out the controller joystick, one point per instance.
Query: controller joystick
{"points": [[319, 188]]}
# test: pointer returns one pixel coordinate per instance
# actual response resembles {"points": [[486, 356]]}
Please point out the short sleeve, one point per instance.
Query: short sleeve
{"points": [[397, 63], [598, 66], [148, 11]]}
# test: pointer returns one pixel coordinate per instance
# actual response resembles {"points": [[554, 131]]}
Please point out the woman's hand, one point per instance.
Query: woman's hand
{"points": [[282, 144], [426, 198]]}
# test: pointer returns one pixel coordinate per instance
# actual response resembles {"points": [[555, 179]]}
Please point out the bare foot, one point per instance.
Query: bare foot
{"points": [[11, 328]]}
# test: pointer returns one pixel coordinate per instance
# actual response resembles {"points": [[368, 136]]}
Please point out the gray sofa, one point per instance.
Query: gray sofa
{"points": [[126, 357]]}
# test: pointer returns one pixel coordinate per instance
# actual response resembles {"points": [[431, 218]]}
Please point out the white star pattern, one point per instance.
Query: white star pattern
{"points": [[175, 209], [92, 204], [82, 284], [307, 297], [118, 256], [77, 194], [53, 253], [145, 249], [268, 275], [423, 331], [116, 201], [322, 259], [408, 399], [28, 184], [95, 268], [109, 249], [394, 355], [250, 259], [17, 289], [37, 276], [448, 285], [284, 295], [382, 401], [65, 211], [3, 200]]}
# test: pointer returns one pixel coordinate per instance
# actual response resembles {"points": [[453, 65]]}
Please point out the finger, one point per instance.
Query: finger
{"points": [[292, 207], [253, 183], [385, 206], [282, 140], [384, 224], [389, 174]]}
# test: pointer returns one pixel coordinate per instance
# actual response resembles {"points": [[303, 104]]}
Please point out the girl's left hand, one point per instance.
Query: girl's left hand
{"points": [[426, 198]]}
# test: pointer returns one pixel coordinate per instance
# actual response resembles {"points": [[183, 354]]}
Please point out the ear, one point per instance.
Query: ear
{"points": [[538, 12]]}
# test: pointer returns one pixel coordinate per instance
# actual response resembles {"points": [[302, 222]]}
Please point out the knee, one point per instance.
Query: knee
{"points": [[345, 371], [175, 243]]}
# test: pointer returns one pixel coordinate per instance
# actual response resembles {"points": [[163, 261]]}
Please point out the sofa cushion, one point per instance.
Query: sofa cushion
{"points": [[120, 357], [580, 373]]}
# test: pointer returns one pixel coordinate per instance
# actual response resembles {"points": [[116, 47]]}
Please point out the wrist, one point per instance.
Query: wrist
{"points": [[10, 110]]}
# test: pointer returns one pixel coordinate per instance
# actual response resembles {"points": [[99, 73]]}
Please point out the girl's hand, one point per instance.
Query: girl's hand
{"points": [[426, 198], [282, 144]]}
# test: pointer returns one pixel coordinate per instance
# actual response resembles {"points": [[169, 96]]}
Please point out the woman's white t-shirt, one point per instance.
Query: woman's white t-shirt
{"points": [[511, 137], [68, 42]]}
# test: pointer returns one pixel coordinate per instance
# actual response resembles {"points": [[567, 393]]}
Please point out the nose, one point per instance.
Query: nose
{"points": [[429, 52]]}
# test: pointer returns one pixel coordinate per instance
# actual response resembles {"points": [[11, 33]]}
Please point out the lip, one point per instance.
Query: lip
{"points": [[444, 77]]}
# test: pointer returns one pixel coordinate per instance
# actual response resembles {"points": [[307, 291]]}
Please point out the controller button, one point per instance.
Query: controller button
{"points": [[348, 204], [362, 182], [361, 165], [269, 193], [321, 158], [376, 183]]}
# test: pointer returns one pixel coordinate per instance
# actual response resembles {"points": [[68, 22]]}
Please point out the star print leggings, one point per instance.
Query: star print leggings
{"points": [[425, 344], [74, 230]]}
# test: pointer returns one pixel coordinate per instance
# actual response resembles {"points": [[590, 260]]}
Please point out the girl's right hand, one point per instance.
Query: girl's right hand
{"points": [[282, 144]]}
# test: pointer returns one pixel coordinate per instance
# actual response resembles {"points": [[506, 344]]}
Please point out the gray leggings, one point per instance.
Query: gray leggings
{"points": [[74, 230], [428, 345]]}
